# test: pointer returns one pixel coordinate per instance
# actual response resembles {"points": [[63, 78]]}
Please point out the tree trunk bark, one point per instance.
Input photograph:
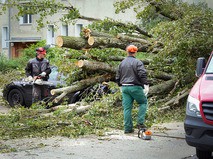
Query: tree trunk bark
{"points": [[132, 39], [162, 88], [175, 101], [94, 65], [71, 42], [79, 86], [79, 43]]}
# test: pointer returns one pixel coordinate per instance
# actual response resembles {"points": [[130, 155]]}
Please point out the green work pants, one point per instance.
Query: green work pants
{"points": [[129, 94]]}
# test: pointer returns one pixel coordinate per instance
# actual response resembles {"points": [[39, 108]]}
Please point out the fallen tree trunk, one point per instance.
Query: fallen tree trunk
{"points": [[79, 86], [175, 101], [160, 75], [133, 39], [71, 42], [79, 109], [70, 106], [94, 65], [80, 43], [110, 58], [162, 88]]}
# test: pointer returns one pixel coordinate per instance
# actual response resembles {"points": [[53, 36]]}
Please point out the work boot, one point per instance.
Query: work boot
{"points": [[141, 126], [128, 132]]}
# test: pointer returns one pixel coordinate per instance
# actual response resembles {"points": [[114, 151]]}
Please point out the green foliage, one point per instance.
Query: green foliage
{"points": [[43, 8], [105, 54], [121, 6], [186, 39], [106, 113], [30, 51], [113, 27], [186, 32], [6, 148], [6, 64], [72, 15]]}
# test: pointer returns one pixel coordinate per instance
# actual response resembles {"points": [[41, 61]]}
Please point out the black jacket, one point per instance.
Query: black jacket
{"points": [[131, 71], [36, 66]]}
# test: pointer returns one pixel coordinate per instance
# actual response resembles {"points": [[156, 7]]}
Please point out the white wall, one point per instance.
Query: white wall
{"points": [[209, 2], [102, 9]]}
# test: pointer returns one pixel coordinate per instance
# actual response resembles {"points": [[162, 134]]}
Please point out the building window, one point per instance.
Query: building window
{"points": [[2, 1], [50, 35], [64, 30], [78, 28], [26, 19], [5, 37]]}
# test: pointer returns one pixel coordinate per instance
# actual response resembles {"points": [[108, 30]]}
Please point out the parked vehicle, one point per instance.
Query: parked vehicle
{"points": [[20, 92], [198, 123]]}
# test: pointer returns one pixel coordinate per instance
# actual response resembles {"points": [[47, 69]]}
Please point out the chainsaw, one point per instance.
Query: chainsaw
{"points": [[144, 134]]}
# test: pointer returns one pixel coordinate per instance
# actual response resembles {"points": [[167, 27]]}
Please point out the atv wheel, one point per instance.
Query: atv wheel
{"points": [[203, 154], [15, 98]]}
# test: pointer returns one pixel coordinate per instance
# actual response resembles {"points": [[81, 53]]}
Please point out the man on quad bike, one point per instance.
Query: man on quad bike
{"points": [[38, 68]]}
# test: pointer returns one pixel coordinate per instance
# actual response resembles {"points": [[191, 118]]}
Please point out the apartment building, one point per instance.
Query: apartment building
{"points": [[17, 34]]}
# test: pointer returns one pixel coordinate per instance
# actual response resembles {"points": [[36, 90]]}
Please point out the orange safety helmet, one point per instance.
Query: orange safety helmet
{"points": [[41, 50], [132, 48]]}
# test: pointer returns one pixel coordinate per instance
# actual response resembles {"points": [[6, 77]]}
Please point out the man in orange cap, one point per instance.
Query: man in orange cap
{"points": [[132, 77], [38, 67]]}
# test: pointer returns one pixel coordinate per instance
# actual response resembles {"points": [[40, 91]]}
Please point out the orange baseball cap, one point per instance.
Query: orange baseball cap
{"points": [[132, 48]]}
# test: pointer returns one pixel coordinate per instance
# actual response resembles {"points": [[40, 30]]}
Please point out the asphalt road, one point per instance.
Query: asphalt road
{"points": [[167, 142]]}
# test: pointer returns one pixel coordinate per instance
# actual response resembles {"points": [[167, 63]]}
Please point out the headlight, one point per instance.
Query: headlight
{"points": [[192, 107]]}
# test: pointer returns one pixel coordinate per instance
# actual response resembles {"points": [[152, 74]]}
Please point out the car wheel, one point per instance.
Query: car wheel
{"points": [[15, 97], [203, 154]]}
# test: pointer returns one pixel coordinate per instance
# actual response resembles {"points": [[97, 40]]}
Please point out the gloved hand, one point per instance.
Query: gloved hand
{"points": [[146, 89], [30, 78], [43, 74]]}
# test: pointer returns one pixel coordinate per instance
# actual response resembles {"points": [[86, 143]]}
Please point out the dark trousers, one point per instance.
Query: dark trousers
{"points": [[39, 92]]}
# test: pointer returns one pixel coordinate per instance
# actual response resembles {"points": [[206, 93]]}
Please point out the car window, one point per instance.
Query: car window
{"points": [[56, 77], [54, 74], [210, 66]]}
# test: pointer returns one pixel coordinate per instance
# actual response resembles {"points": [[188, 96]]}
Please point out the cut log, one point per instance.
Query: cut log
{"points": [[94, 65], [160, 75], [101, 34], [132, 39], [162, 88], [71, 42], [80, 43]]}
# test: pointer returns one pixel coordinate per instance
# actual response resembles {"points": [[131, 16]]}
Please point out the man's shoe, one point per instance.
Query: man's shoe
{"points": [[128, 132], [141, 126]]}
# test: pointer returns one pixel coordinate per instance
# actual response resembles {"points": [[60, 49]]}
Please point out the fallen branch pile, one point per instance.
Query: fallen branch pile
{"points": [[161, 83]]}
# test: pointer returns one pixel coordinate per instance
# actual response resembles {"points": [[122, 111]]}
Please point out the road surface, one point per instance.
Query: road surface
{"points": [[167, 143]]}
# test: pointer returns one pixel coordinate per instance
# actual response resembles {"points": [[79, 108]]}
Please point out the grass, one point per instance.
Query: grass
{"points": [[144, 55], [105, 114]]}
